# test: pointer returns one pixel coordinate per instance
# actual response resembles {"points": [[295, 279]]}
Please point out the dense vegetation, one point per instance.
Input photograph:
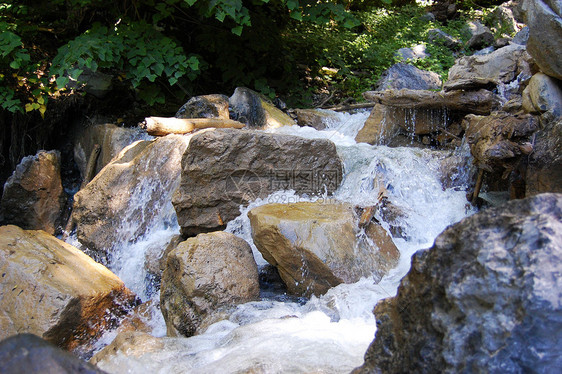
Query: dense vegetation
{"points": [[158, 53]]}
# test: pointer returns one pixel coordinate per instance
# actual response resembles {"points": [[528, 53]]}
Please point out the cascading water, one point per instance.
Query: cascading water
{"points": [[324, 334]]}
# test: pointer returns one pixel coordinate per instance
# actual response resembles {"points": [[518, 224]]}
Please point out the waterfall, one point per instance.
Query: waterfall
{"points": [[323, 334]]}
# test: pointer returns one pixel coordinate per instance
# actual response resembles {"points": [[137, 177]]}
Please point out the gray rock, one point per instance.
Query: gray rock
{"points": [[28, 353], [203, 275], [251, 109], [401, 75], [544, 170], [226, 168], [33, 196], [439, 36], [206, 106], [544, 19], [500, 66], [521, 37], [487, 297], [416, 52], [481, 36]]}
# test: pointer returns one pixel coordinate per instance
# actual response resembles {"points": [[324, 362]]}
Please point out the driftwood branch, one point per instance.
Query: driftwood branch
{"points": [[160, 126]]}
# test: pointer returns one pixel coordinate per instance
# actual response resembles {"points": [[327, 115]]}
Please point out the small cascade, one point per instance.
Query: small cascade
{"points": [[323, 334]]}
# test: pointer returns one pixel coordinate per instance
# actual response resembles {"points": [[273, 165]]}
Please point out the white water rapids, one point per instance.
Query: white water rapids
{"points": [[329, 334]]}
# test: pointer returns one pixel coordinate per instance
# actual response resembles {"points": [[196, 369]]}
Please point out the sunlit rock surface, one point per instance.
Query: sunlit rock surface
{"points": [[486, 297], [33, 196], [51, 289], [315, 246], [224, 169], [28, 353], [122, 201], [204, 274]]}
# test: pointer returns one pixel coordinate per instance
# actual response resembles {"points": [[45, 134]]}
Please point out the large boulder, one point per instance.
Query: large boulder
{"points": [[206, 106], [543, 95], [203, 275], [544, 170], [489, 70], [33, 196], [251, 109], [120, 204], [224, 169], [28, 353], [544, 18], [401, 75], [481, 36], [314, 245], [485, 298], [111, 139], [497, 141], [380, 128], [52, 289]]}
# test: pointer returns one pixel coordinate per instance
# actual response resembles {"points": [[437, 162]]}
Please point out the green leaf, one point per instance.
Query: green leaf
{"points": [[15, 64], [62, 82], [237, 30]]}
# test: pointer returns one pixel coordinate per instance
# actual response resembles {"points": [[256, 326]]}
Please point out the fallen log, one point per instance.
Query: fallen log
{"points": [[160, 126]]}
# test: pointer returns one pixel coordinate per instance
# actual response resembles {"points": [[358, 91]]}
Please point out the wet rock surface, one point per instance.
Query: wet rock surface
{"points": [[28, 353], [314, 245], [33, 196], [204, 274], [544, 170], [52, 289], [107, 211], [485, 297], [224, 169]]}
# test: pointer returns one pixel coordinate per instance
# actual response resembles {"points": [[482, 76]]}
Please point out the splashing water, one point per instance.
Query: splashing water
{"points": [[329, 333]]}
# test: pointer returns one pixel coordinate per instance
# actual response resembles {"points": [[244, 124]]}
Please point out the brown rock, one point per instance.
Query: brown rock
{"points": [[204, 275], [119, 204], [223, 169], [314, 246], [33, 197], [477, 102], [496, 141], [111, 138], [53, 290], [544, 171], [314, 118], [543, 94], [378, 129]]}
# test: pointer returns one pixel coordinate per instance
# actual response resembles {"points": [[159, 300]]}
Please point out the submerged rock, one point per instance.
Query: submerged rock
{"points": [[203, 275], [120, 203], [250, 108], [28, 353], [52, 289], [485, 298], [224, 169], [206, 106], [315, 118], [33, 196], [315, 247]]}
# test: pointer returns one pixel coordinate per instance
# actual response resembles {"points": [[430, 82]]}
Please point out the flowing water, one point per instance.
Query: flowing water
{"points": [[327, 334]]}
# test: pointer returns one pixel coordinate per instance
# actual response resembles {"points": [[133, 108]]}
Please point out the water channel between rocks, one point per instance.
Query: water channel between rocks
{"points": [[329, 334]]}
